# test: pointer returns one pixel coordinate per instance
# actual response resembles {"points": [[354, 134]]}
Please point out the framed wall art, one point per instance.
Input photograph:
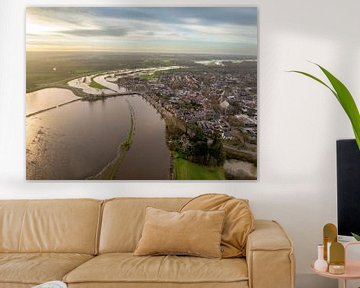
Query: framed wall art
{"points": [[163, 93]]}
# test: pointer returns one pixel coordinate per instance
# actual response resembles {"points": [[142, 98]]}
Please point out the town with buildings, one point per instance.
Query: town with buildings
{"points": [[218, 100]]}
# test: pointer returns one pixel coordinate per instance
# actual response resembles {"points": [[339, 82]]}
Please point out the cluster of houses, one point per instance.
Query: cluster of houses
{"points": [[207, 98]]}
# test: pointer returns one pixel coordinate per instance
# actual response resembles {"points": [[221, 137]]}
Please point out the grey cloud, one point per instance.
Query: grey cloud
{"points": [[175, 34], [174, 15], [177, 15]]}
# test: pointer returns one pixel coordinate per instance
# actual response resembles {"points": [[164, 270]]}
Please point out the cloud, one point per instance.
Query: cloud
{"points": [[180, 29], [202, 15]]}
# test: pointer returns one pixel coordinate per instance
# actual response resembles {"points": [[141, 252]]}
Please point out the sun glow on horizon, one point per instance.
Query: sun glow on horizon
{"points": [[36, 26]]}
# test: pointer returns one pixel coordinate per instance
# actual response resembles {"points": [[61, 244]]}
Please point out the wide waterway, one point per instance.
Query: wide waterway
{"points": [[76, 141], [149, 156]]}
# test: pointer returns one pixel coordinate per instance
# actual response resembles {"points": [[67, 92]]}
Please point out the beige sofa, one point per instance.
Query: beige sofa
{"points": [[89, 243]]}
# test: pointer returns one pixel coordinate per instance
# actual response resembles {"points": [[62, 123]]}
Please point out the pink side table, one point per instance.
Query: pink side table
{"points": [[352, 268]]}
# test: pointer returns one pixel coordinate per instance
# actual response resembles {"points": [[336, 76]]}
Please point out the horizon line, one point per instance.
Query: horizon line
{"points": [[141, 52]]}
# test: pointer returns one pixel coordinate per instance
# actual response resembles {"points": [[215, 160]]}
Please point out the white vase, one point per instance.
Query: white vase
{"points": [[320, 264]]}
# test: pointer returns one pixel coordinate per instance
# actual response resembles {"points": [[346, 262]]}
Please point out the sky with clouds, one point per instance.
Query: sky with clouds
{"points": [[231, 30]]}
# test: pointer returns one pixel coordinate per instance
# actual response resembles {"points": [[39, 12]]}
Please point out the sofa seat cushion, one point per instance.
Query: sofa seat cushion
{"points": [[36, 268], [125, 267]]}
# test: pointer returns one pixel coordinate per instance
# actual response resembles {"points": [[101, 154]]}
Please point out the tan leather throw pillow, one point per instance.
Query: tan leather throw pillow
{"points": [[238, 224], [196, 233]]}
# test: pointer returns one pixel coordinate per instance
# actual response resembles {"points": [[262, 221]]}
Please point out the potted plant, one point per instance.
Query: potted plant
{"points": [[345, 99]]}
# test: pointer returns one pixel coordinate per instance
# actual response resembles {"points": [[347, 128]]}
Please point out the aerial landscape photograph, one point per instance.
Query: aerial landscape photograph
{"points": [[141, 93]]}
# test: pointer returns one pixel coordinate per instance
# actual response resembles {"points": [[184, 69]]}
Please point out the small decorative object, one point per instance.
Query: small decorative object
{"points": [[328, 245], [330, 236], [336, 269], [341, 268], [320, 264], [337, 258]]}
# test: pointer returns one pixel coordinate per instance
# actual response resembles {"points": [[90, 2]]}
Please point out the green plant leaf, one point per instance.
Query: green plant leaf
{"points": [[344, 97], [347, 101], [356, 236], [316, 79]]}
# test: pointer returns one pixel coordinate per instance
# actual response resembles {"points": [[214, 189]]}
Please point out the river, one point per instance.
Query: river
{"points": [[77, 140], [149, 156]]}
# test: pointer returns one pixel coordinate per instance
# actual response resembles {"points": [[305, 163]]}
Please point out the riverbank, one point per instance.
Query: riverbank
{"points": [[181, 168], [239, 165]]}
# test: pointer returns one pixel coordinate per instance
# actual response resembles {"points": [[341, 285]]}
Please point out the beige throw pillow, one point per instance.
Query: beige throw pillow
{"points": [[239, 220], [196, 233]]}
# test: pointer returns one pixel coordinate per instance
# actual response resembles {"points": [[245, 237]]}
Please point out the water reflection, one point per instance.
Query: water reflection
{"points": [[77, 140], [149, 156], [46, 98]]}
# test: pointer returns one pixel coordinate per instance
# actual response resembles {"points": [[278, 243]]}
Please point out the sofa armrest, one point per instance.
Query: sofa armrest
{"points": [[269, 256]]}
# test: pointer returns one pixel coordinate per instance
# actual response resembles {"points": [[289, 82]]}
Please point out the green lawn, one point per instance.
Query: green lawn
{"points": [[96, 85], [186, 170]]}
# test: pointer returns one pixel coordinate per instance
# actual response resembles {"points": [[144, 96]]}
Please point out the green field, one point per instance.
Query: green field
{"points": [[186, 170], [46, 69], [96, 85]]}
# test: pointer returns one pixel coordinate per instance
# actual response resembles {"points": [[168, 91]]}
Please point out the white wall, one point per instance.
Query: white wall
{"points": [[299, 121]]}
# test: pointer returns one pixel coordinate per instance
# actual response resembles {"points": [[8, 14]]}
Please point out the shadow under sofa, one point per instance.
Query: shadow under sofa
{"points": [[90, 243]]}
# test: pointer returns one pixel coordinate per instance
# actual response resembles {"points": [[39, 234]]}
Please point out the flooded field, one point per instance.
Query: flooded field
{"points": [[46, 98], [75, 141], [78, 140]]}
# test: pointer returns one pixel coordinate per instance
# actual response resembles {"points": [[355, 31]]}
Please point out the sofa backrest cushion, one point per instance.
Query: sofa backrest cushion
{"points": [[64, 226], [239, 220], [123, 220]]}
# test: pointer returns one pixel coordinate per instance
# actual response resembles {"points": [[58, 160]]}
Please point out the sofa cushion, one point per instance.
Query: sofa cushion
{"points": [[239, 220], [36, 268], [62, 226], [123, 220], [194, 232], [126, 268]]}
